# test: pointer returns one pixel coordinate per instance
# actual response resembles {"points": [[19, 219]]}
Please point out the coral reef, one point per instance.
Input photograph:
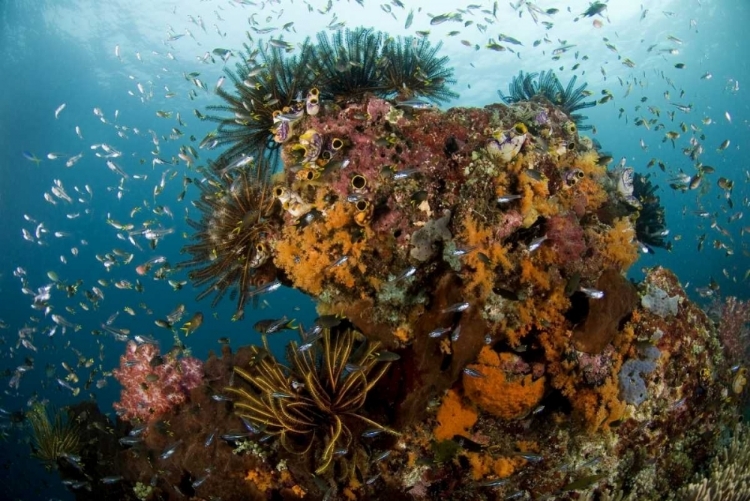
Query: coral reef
{"points": [[153, 384], [478, 338], [732, 319], [270, 86]]}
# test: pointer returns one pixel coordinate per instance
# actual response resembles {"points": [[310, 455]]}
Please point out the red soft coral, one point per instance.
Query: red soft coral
{"points": [[152, 387]]}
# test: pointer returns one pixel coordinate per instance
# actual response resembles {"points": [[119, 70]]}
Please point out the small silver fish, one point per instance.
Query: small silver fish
{"points": [[111, 479], [536, 243], [592, 293], [456, 333], [169, 451], [472, 372], [415, 104], [507, 198], [383, 455], [410, 271], [439, 332], [403, 174], [130, 441], [210, 438], [456, 308]]}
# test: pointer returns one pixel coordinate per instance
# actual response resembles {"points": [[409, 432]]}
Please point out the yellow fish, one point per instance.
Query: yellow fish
{"points": [[192, 325]]}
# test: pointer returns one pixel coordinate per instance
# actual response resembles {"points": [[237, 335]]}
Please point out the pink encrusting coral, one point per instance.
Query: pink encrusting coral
{"points": [[567, 237], [154, 385]]}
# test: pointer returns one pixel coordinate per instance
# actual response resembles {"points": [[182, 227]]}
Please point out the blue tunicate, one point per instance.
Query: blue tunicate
{"points": [[632, 386]]}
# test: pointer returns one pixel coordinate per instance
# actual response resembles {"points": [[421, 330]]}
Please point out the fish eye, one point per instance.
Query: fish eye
{"points": [[571, 145], [580, 174]]}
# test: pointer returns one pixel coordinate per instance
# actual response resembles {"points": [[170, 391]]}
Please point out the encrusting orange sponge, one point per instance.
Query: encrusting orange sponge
{"points": [[454, 418], [500, 390]]}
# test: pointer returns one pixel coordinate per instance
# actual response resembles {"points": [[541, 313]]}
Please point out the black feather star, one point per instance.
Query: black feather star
{"points": [[356, 62], [346, 65], [231, 253], [651, 225], [267, 82], [411, 68], [569, 99]]}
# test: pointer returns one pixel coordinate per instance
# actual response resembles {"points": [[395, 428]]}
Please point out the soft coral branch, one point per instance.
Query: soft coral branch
{"points": [[153, 385]]}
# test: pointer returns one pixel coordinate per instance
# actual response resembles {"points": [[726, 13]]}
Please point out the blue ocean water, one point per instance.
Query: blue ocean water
{"points": [[95, 55]]}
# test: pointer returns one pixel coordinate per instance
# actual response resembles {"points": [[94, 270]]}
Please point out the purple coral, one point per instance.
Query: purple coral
{"points": [[632, 386], [541, 118]]}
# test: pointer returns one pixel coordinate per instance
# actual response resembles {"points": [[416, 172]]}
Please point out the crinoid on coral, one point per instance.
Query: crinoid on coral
{"points": [[651, 225], [411, 68], [52, 439], [268, 84], [569, 99], [319, 397], [232, 252], [346, 65]]}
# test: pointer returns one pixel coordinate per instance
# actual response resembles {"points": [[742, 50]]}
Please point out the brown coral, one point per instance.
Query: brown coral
{"points": [[605, 314]]}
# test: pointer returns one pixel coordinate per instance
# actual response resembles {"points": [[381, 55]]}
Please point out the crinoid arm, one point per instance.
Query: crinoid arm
{"points": [[237, 216], [313, 399], [346, 64], [569, 99], [411, 68], [52, 439]]}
